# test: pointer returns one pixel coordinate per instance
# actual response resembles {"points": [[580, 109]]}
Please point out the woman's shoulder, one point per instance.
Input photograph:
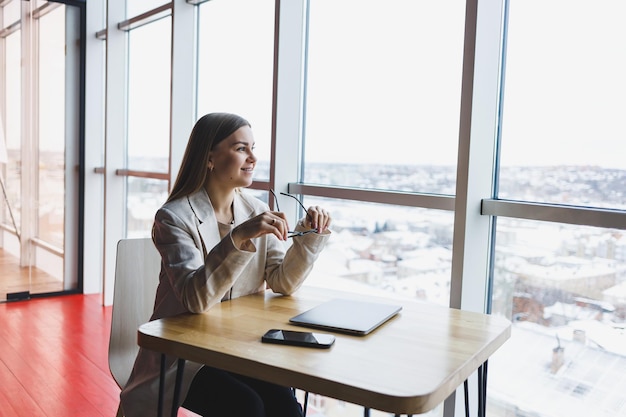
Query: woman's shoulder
{"points": [[183, 207], [176, 205]]}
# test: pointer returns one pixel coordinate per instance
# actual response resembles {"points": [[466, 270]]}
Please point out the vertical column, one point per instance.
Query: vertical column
{"points": [[28, 214], [184, 77], [288, 99], [475, 169], [115, 142], [74, 130], [93, 243]]}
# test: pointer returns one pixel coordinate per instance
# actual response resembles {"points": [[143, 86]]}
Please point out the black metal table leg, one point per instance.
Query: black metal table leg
{"points": [[482, 390], [180, 369], [161, 386], [466, 392]]}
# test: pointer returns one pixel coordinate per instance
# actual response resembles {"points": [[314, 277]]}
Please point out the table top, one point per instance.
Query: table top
{"points": [[409, 365]]}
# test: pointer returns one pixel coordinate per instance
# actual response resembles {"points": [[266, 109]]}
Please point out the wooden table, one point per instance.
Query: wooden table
{"points": [[408, 366]]}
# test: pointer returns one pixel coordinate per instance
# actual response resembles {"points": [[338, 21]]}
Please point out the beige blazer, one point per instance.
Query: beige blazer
{"points": [[193, 280]]}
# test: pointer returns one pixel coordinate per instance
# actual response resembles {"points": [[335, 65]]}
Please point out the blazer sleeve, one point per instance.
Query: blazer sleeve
{"points": [[285, 272], [198, 282]]}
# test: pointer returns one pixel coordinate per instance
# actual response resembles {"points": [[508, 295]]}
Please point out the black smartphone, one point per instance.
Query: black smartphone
{"points": [[290, 337]]}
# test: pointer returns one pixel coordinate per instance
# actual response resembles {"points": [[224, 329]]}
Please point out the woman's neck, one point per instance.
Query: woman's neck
{"points": [[222, 202]]}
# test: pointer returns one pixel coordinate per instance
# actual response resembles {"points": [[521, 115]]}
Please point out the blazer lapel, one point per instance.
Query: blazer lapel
{"points": [[207, 225]]}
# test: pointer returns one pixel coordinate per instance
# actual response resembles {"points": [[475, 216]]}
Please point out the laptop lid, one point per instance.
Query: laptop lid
{"points": [[347, 316]]}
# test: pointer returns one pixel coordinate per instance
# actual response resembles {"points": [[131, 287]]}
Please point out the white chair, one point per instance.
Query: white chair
{"points": [[137, 268]]}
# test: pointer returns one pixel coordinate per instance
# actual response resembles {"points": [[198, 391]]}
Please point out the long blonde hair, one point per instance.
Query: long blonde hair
{"points": [[208, 131]]}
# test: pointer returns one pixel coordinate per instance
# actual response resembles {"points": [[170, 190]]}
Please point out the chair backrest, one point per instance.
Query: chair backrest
{"points": [[137, 268]]}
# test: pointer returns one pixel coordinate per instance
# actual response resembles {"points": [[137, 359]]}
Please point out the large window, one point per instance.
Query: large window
{"points": [[383, 120], [562, 285], [377, 119], [382, 101]]}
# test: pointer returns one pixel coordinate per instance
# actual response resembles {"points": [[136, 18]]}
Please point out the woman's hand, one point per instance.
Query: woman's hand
{"points": [[317, 218], [275, 222], [268, 222]]}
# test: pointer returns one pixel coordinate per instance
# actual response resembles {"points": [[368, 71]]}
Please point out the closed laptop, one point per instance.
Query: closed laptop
{"points": [[347, 316]]}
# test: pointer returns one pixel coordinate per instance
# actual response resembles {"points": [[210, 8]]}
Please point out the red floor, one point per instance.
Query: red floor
{"points": [[53, 358]]}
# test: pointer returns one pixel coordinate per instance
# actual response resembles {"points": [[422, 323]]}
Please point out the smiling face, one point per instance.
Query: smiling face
{"points": [[232, 160]]}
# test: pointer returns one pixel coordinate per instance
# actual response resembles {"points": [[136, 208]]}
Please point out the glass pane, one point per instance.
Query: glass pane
{"points": [[51, 179], [235, 66], [137, 7], [11, 12], [383, 97], [399, 251], [149, 73], [564, 289], [144, 197], [562, 130]]}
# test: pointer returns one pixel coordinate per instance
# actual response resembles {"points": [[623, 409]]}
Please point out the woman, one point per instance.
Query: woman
{"points": [[217, 243]]}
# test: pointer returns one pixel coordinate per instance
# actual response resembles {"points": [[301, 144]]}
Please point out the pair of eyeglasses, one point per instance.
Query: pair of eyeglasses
{"points": [[293, 233]]}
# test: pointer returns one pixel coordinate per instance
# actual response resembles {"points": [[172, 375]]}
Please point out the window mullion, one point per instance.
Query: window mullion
{"points": [[115, 141], [288, 98], [184, 81], [476, 161], [28, 215]]}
